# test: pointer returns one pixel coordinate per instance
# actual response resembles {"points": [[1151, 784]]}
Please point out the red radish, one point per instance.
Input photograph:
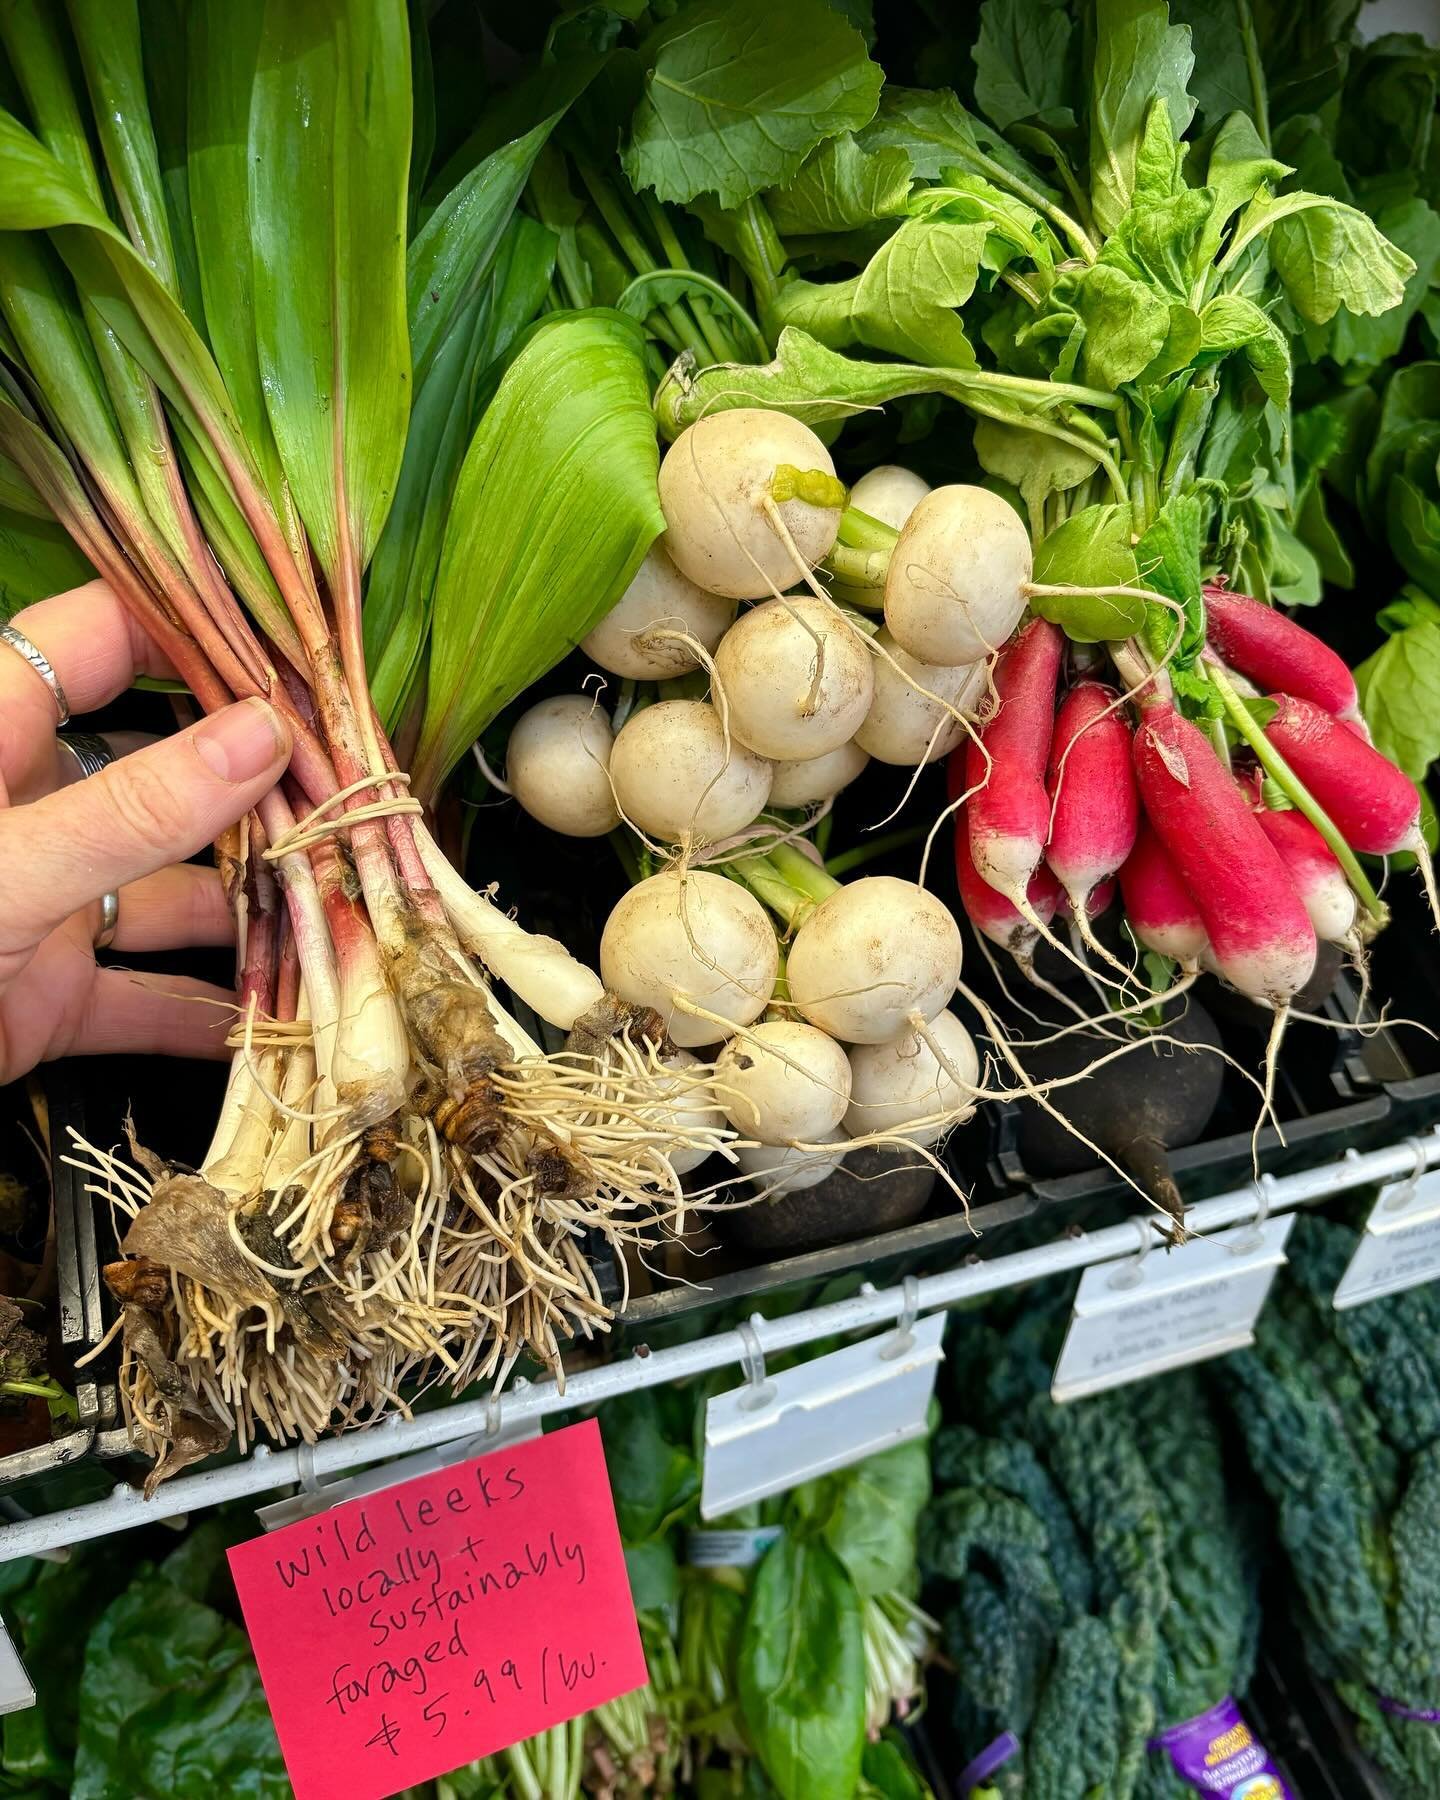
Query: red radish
{"points": [[993, 915], [1159, 906], [1262, 643], [1260, 933], [1094, 808], [1009, 810], [1098, 902], [1373, 805], [1329, 898]]}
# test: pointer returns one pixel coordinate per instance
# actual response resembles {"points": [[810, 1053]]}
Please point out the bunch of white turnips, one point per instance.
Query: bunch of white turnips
{"points": [[803, 692]]}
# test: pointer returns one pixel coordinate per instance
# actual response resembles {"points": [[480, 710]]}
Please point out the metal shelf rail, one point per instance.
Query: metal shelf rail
{"points": [[471, 1423]]}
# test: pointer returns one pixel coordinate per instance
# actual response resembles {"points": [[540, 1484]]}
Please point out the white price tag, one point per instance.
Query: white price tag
{"points": [[1401, 1245], [768, 1436], [1148, 1314], [17, 1690]]}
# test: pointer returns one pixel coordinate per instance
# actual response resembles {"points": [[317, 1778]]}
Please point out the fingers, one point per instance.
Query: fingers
{"points": [[151, 1015], [96, 651], [179, 908], [151, 809]]}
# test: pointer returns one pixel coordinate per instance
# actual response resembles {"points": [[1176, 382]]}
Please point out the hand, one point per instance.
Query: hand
{"points": [[127, 830]]}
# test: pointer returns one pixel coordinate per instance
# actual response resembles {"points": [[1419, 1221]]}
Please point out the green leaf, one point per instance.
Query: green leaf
{"points": [[1230, 322], [802, 1672], [1239, 167], [840, 187], [329, 156], [1168, 556], [1413, 227], [1125, 323], [171, 1703], [1327, 255], [741, 91], [1139, 57], [904, 300], [1400, 697], [1021, 59], [37, 559], [454, 250], [1157, 241], [654, 1575], [1013, 228], [654, 1479], [560, 476], [1090, 549], [871, 1525], [1034, 464]]}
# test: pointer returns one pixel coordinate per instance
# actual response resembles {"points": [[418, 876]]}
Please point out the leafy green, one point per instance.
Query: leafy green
{"points": [[328, 235], [839, 186], [903, 302], [574, 489], [171, 1703], [802, 1672], [1400, 693], [739, 92], [1140, 59], [1090, 549], [872, 1522], [1021, 58]]}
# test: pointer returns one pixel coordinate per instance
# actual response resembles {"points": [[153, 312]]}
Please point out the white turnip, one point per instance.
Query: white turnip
{"points": [[955, 587], [816, 777], [724, 528], [876, 951], [783, 1082], [788, 1170], [557, 764], [797, 678], [686, 936], [889, 493], [903, 725], [676, 777], [896, 1084], [660, 600]]}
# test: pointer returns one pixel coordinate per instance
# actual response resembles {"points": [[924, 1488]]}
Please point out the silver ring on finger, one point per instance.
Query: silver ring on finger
{"points": [[91, 754], [88, 750], [40, 663], [109, 920]]}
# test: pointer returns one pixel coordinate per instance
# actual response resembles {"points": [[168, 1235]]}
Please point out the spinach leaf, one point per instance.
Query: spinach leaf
{"points": [[171, 1703], [1021, 59], [903, 301], [653, 1475], [802, 1672], [1091, 549], [875, 1509], [54, 1615], [840, 187], [1139, 57], [739, 92]]}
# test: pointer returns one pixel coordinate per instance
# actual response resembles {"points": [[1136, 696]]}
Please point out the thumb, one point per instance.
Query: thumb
{"points": [[146, 811]]}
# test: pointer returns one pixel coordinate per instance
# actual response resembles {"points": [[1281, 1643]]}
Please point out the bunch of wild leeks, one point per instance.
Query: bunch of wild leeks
{"points": [[215, 341]]}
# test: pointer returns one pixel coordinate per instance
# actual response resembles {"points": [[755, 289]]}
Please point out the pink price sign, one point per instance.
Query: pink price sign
{"points": [[410, 1631]]}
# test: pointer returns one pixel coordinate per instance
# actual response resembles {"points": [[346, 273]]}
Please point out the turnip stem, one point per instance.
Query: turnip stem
{"points": [[1294, 790], [876, 847], [861, 532], [759, 875], [807, 877]]}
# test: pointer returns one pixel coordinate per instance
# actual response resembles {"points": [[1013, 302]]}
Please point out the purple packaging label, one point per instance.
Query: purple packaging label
{"points": [[1418, 1715], [992, 1757], [1217, 1754]]}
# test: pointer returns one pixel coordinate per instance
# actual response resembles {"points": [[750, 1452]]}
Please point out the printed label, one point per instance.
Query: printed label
{"points": [[1138, 1318], [730, 1549], [1401, 1245], [1218, 1754]]}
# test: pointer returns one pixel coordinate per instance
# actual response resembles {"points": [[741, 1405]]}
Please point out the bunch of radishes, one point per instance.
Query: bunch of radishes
{"points": [[830, 1000], [1237, 858]]}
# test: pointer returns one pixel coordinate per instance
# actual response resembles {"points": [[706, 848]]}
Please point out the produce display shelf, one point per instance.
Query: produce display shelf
{"points": [[470, 1422]]}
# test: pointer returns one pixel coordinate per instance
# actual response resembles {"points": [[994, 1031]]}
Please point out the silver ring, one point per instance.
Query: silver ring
{"points": [[109, 919], [40, 663], [90, 752]]}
